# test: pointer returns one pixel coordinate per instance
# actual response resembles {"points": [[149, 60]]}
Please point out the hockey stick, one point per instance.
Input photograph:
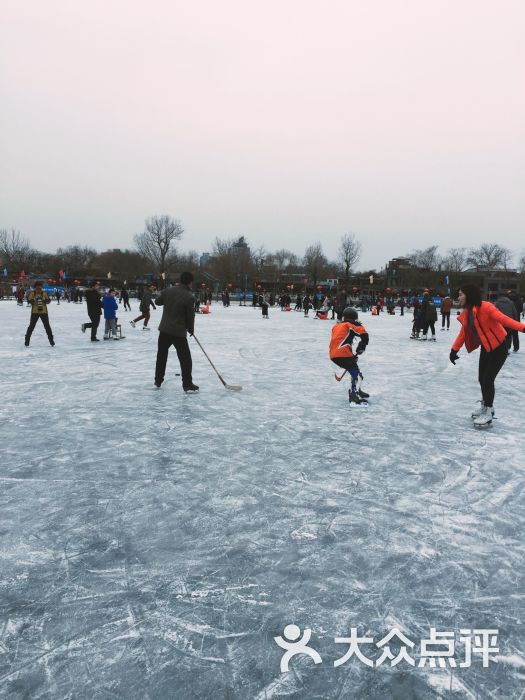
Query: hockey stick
{"points": [[232, 387], [337, 377]]}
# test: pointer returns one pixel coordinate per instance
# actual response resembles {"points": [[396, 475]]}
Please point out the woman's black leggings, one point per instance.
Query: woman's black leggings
{"points": [[490, 364]]}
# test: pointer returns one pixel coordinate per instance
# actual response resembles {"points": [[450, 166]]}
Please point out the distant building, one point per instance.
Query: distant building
{"points": [[492, 282], [241, 248]]}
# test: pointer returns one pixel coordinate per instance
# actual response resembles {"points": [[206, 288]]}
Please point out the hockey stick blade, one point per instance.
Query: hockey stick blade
{"points": [[337, 377], [231, 387]]}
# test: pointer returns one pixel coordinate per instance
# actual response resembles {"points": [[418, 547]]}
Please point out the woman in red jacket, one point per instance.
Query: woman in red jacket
{"points": [[482, 324]]}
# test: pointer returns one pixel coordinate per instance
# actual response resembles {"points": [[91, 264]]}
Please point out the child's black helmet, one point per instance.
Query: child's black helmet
{"points": [[350, 314]]}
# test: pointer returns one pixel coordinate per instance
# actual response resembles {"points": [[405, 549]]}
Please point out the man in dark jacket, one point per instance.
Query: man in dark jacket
{"points": [[94, 309], [178, 318], [124, 297], [428, 316], [515, 299], [145, 303], [506, 305]]}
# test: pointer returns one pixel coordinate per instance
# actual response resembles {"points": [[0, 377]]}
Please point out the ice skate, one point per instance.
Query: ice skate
{"points": [[191, 389], [132, 323], [485, 418], [353, 398], [479, 411]]}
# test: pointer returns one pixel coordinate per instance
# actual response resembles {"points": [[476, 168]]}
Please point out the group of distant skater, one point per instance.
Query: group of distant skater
{"points": [[493, 328]]}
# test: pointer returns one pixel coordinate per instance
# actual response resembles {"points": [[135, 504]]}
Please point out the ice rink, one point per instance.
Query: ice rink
{"points": [[154, 543]]}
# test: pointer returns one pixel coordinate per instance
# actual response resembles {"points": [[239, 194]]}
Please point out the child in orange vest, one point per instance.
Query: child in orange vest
{"points": [[341, 352]]}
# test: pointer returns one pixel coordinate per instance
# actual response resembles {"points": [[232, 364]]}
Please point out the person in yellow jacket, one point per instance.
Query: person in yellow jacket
{"points": [[341, 352], [39, 299]]}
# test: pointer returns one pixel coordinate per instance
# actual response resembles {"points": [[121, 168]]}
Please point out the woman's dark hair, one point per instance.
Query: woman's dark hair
{"points": [[472, 294]]}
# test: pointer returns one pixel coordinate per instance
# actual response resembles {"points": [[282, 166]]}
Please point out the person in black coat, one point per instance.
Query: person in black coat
{"points": [[94, 309], [428, 316], [124, 295], [145, 303], [178, 319], [505, 303]]}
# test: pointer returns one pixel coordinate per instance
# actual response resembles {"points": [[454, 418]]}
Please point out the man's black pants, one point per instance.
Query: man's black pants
{"points": [[183, 353], [95, 321]]}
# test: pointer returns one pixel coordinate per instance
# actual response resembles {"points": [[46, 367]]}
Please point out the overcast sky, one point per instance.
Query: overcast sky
{"points": [[286, 121]]}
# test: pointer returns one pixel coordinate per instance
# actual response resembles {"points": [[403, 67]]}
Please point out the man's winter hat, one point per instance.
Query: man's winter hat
{"points": [[350, 313]]}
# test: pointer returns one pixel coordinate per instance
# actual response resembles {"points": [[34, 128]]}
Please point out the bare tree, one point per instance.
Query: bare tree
{"points": [[455, 260], [260, 257], [15, 250], [427, 258], [157, 242], [349, 253], [282, 259], [314, 262], [231, 260], [522, 263], [489, 256], [75, 259], [124, 264], [188, 261]]}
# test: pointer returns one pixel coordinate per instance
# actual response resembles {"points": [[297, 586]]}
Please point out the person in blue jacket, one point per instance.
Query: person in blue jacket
{"points": [[110, 314]]}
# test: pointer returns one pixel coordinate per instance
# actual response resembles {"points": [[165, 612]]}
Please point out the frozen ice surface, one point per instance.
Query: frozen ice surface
{"points": [[153, 543]]}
